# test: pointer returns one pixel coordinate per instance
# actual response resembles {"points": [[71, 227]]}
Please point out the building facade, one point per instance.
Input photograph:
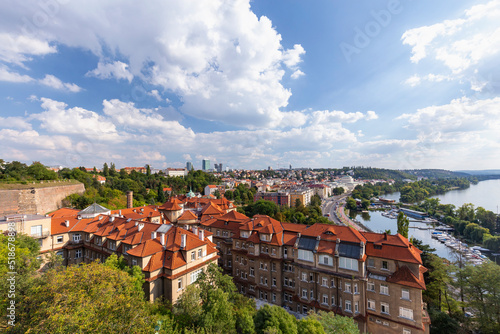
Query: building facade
{"points": [[280, 198], [375, 278], [205, 165]]}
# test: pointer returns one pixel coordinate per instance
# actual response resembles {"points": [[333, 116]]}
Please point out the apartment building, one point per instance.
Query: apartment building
{"points": [[279, 198], [303, 195], [375, 278]]}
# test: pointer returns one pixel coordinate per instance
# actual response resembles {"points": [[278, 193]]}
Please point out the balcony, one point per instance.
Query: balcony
{"points": [[40, 235]]}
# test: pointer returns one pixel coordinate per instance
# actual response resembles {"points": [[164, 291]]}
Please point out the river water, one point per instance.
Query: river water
{"points": [[485, 194]]}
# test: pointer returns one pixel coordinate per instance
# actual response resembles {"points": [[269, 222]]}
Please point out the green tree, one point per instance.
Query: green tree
{"points": [[105, 169], [403, 224], [90, 298], [310, 326], [274, 317], [335, 324], [161, 194]]}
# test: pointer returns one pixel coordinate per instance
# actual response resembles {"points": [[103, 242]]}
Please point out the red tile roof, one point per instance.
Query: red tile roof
{"points": [[188, 215], [404, 276]]}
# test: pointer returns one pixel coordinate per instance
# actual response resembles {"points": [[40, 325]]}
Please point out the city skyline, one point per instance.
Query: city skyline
{"points": [[389, 84]]}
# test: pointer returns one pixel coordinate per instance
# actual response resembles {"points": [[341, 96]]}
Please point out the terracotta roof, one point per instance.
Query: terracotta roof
{"points": [[212, 209], [394, 247], [344, 233], [64, 212], [234, 216], [58, 225], [188, 215], [404, 276]]}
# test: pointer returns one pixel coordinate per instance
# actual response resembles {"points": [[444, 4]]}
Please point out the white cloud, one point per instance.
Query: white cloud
{"points": [[116, 69], [297, 74], [337, 116], [31, 139], [6, 75], [468, 46], [16, 48], [58, 118], [187, 157], [53, 82], [154, 93], [225, 63], [15, 123]]}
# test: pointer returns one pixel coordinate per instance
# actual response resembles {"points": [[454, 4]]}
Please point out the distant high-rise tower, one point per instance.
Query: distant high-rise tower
{"points": [[218, 167], [205, 164], [189, 166], [290, 167]]}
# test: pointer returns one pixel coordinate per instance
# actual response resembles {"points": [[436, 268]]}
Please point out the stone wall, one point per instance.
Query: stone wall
{"points": [[36, 200]]}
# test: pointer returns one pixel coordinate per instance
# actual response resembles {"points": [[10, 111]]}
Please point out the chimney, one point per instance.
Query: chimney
{"points": [[202, 234], [140, 226], [162, 239], [153, 235], [183, 240], [66, 222], [112, 219], [385, 235], [195, 230], [130, 199]]}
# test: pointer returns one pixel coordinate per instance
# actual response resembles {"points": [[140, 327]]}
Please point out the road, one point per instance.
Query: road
{"points": [[335, 205]]}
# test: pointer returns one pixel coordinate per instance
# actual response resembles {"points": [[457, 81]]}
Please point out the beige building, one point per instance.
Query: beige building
{"points": [[36, 226], [375, 278], [304, 196]]}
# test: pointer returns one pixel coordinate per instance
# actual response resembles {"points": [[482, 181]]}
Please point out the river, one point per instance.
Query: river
{"points": [[485, 194]]}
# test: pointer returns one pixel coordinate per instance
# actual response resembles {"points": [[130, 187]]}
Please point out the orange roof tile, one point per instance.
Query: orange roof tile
{"points": [[404, 276], [188, 215]]}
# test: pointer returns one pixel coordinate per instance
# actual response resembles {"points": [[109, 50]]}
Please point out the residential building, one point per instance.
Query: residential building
{"points": [[36, 226], [303, 195], [280, 198], [375, 278], [322, 190], [210, 189], [173, 172]]}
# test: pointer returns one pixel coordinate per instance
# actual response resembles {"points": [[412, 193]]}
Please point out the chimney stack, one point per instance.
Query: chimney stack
{"points": [[195, 230], [183, 240], [141, 225], [162, 239], [153, 235], [202, 234], [130, 199], [66, 222]]}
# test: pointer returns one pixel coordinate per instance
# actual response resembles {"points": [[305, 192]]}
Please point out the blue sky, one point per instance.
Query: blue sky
{"points": [[395, 84]]}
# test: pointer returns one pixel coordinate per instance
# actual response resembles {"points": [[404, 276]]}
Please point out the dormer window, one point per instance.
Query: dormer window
{"points": [[265, 237], [244, 234]]}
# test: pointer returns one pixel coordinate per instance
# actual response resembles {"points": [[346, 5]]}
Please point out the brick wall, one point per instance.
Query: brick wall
{"points": [[36, 200]]}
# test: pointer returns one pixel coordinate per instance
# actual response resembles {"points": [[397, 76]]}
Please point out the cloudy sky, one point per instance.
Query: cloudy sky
{"points": [[251, 84]]}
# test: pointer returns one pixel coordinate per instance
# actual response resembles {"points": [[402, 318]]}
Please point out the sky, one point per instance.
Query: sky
{"points": [[397, 84]]}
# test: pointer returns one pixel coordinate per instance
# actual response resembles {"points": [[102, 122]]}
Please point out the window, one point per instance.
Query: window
{"points": [[200, 253], [87, 236], [274, 297], [332, 283], [78, 253], [229, 263], [237, 244], [304, 277], [237, 258], [371, 262], [218, 233], [356, 288], [384, 289], [405, 294], [311, 277], [273, 251], [60, 239], [348, 263], [385, 265], [179, 284], [348, 306], [304, 309], [98, 240], [406, 331], [285, 252], [60, 253], [252, 271], [324, 281], [194, 275], [306, 255], [333, 300], [326, 260], [406, 313], [112, 244], [251, 288], [77, 237], [348, 288], [325, 299], [371, 304], [273, 266], [274, 281], [311, 294], [134, 262], [304, 293], [370, 286], [356, 307], [36, 231], [384, 308]]}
